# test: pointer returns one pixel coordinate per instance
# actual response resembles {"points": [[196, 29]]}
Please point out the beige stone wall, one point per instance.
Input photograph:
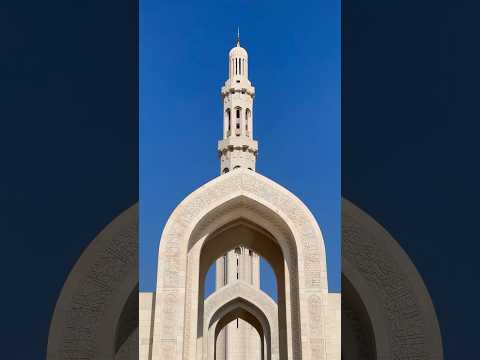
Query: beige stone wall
{"points": [[145, 325], [333, 322]]}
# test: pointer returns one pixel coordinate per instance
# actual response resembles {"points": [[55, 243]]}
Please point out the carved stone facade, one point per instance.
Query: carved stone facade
{"points": [[243, 208], [97, 311], [387, 312]]}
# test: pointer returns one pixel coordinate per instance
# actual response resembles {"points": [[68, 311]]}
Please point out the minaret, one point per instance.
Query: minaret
{"points": [[238, 340], [237, 148]]}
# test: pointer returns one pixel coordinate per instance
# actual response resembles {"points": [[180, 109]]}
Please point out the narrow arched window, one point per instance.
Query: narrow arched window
{"points": [[238, 112], [247, 118], [229, 119], [225, 170]]}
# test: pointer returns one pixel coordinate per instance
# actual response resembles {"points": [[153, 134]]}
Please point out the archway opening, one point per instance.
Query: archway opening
{"points": [[243, 236], [259, 344], [254, 342], [267, 279], [257, 225]]}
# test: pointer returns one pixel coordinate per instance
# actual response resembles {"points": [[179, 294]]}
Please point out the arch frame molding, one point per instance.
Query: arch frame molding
{"points": [[286, 217], [88, 311], [400, 311]]}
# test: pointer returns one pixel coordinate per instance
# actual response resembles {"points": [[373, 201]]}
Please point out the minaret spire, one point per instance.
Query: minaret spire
{"points": [[237, 149], [238, 35]]}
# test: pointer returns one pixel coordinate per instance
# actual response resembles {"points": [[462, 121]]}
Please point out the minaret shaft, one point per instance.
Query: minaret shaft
{"points": [[237, 148]]}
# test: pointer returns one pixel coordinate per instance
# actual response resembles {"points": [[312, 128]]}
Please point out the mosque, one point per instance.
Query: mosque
{"points": [[387, 312], [232, 221]]}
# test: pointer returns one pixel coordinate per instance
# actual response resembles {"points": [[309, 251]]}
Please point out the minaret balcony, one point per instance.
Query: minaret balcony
{"points": [[243, 87], [238, 143]]}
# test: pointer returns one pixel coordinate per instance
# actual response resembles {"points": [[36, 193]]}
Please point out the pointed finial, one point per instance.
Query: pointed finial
{"points": [[238, 36]]}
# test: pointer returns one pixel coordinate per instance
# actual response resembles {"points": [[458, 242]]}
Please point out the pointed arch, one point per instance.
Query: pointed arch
{"points": [[230, 300], [249, 195]]}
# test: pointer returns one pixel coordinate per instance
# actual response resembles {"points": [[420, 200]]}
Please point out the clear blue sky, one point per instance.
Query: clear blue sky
{"points": [[294, 64]]}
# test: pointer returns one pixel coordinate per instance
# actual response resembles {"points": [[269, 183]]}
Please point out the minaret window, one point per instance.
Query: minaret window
{"points": [[229, 119], [238, 112]]}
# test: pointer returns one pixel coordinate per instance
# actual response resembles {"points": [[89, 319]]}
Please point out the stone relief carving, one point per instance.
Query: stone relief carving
{"points": [[375, 256], [256, 187], [91, 299]]}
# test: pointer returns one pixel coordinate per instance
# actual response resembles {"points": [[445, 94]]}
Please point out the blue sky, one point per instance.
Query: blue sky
{"points": [[294, 64]]}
